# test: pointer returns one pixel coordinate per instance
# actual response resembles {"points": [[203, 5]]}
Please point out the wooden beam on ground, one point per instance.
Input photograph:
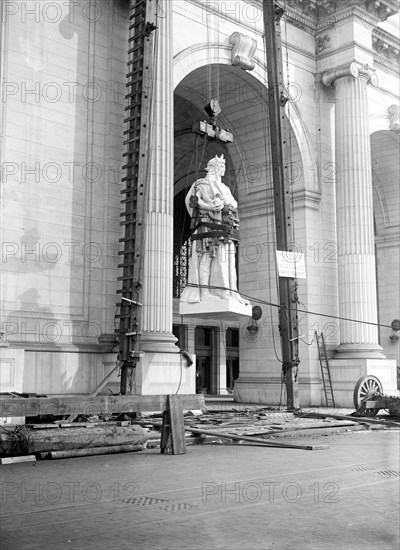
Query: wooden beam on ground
{"points": [[66, 439], [94, 451], [104, 404], [359, 419], [15, 459], [257, 440]]}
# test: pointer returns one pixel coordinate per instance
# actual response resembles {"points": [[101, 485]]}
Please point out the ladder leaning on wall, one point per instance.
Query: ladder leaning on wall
{"points": [[325, 370], [139, 92]]}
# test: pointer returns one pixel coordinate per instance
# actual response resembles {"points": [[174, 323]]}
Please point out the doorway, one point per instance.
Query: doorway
{"points": [[205, 350], [232, 357]]}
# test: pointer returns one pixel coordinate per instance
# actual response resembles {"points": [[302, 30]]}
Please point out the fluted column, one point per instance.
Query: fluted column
{"points": [[354, 206], [157, 272]]}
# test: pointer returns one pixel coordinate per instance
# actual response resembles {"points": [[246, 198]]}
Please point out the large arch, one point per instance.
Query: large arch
{"points": [[243, 99], [204, 54], [385, 158]]}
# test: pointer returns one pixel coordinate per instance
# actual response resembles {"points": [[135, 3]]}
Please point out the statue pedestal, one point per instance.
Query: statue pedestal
{"points": [[221, 308]]}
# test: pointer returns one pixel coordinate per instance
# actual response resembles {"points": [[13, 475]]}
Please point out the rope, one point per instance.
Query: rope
{"points": [[16, 442]]}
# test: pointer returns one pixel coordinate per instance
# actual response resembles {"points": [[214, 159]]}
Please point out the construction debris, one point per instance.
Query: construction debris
{"points": [[256, 425], [359, 419], [253, 425], [258, 440]]}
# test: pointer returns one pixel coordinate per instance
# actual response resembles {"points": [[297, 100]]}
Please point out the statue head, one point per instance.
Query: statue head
{"points": [[216, 165]]}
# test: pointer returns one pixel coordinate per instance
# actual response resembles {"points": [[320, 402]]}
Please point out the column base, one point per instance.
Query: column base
{"points": [[165, 373], [360, 351], [158, 342], [346, 372]]}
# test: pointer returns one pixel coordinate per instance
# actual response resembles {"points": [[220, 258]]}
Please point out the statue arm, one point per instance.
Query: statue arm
{"points": [[206, 202], [227, 197]]}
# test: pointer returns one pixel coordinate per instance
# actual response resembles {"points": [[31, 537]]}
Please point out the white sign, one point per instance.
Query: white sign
{"points": [[291, 264]]}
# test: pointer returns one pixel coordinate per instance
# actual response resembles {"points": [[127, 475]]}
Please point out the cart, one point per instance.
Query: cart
{"points": [[368, 398]]}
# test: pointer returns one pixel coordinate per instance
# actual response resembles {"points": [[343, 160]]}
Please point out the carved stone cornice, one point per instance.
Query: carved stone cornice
{"points": [[350, 69], [322, 13], [387, 46]]}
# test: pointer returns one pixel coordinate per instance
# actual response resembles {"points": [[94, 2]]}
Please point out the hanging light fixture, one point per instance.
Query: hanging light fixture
{"points": [[394, 337], [252, 327]]}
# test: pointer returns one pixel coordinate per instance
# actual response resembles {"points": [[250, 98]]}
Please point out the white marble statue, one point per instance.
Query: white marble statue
{"points": [[213, 209]]}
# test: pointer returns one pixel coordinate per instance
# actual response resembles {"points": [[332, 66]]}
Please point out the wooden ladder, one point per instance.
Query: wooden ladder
{"points": [[139, 87], [325, 371]]}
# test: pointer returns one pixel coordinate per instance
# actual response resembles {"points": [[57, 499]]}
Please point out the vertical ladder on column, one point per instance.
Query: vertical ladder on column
{"points": [[139, 84], [325, 371]]}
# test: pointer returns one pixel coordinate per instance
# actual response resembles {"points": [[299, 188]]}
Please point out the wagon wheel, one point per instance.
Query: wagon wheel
{"points": [[366, 388]]}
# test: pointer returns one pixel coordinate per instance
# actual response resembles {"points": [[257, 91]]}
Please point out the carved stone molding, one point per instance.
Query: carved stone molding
{"points": [[319, 14], [386, 45], [394, 112], [382, 8], [350, 69], [243, 50], [322, 43], [322, 9]]}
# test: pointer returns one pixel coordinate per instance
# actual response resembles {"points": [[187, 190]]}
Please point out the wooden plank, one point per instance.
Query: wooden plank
{"points": [[313, 426], [257, 440], [95, 451], [177, 425], [15, 459], [103, 383], [360, 419], [104, 404], [166, 435], [42, 426]]}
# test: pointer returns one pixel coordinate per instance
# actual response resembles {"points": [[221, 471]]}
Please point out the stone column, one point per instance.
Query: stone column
{"points": [[354, 206], [157, 272], [222, 362]]}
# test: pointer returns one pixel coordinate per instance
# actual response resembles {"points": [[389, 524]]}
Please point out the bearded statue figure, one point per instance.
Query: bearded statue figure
{"points": [[215, 224]]}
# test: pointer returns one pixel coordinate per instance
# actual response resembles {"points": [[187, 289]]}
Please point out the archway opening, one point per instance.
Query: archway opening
{"points": [[385, 156], [243, 100]]}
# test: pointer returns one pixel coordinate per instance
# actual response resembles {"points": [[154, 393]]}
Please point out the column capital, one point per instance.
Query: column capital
{"points": [[354, 69]]}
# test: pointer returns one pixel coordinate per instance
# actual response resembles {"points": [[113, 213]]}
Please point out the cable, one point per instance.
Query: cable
{"points": [[18, 439], [259, 301], [180, 378]]}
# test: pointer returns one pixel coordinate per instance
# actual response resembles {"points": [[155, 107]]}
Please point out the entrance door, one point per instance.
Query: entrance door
{"points": [[232, 357], [205, 360]]}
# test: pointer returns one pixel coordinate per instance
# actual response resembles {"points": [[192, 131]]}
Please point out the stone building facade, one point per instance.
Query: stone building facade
{"points": [[63, 104]]}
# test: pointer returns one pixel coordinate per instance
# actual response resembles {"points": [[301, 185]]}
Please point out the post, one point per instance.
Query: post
{"points": [[279, 132]]}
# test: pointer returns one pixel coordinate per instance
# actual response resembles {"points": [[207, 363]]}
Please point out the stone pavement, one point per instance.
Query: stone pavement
{"points": [[214, 497]]}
